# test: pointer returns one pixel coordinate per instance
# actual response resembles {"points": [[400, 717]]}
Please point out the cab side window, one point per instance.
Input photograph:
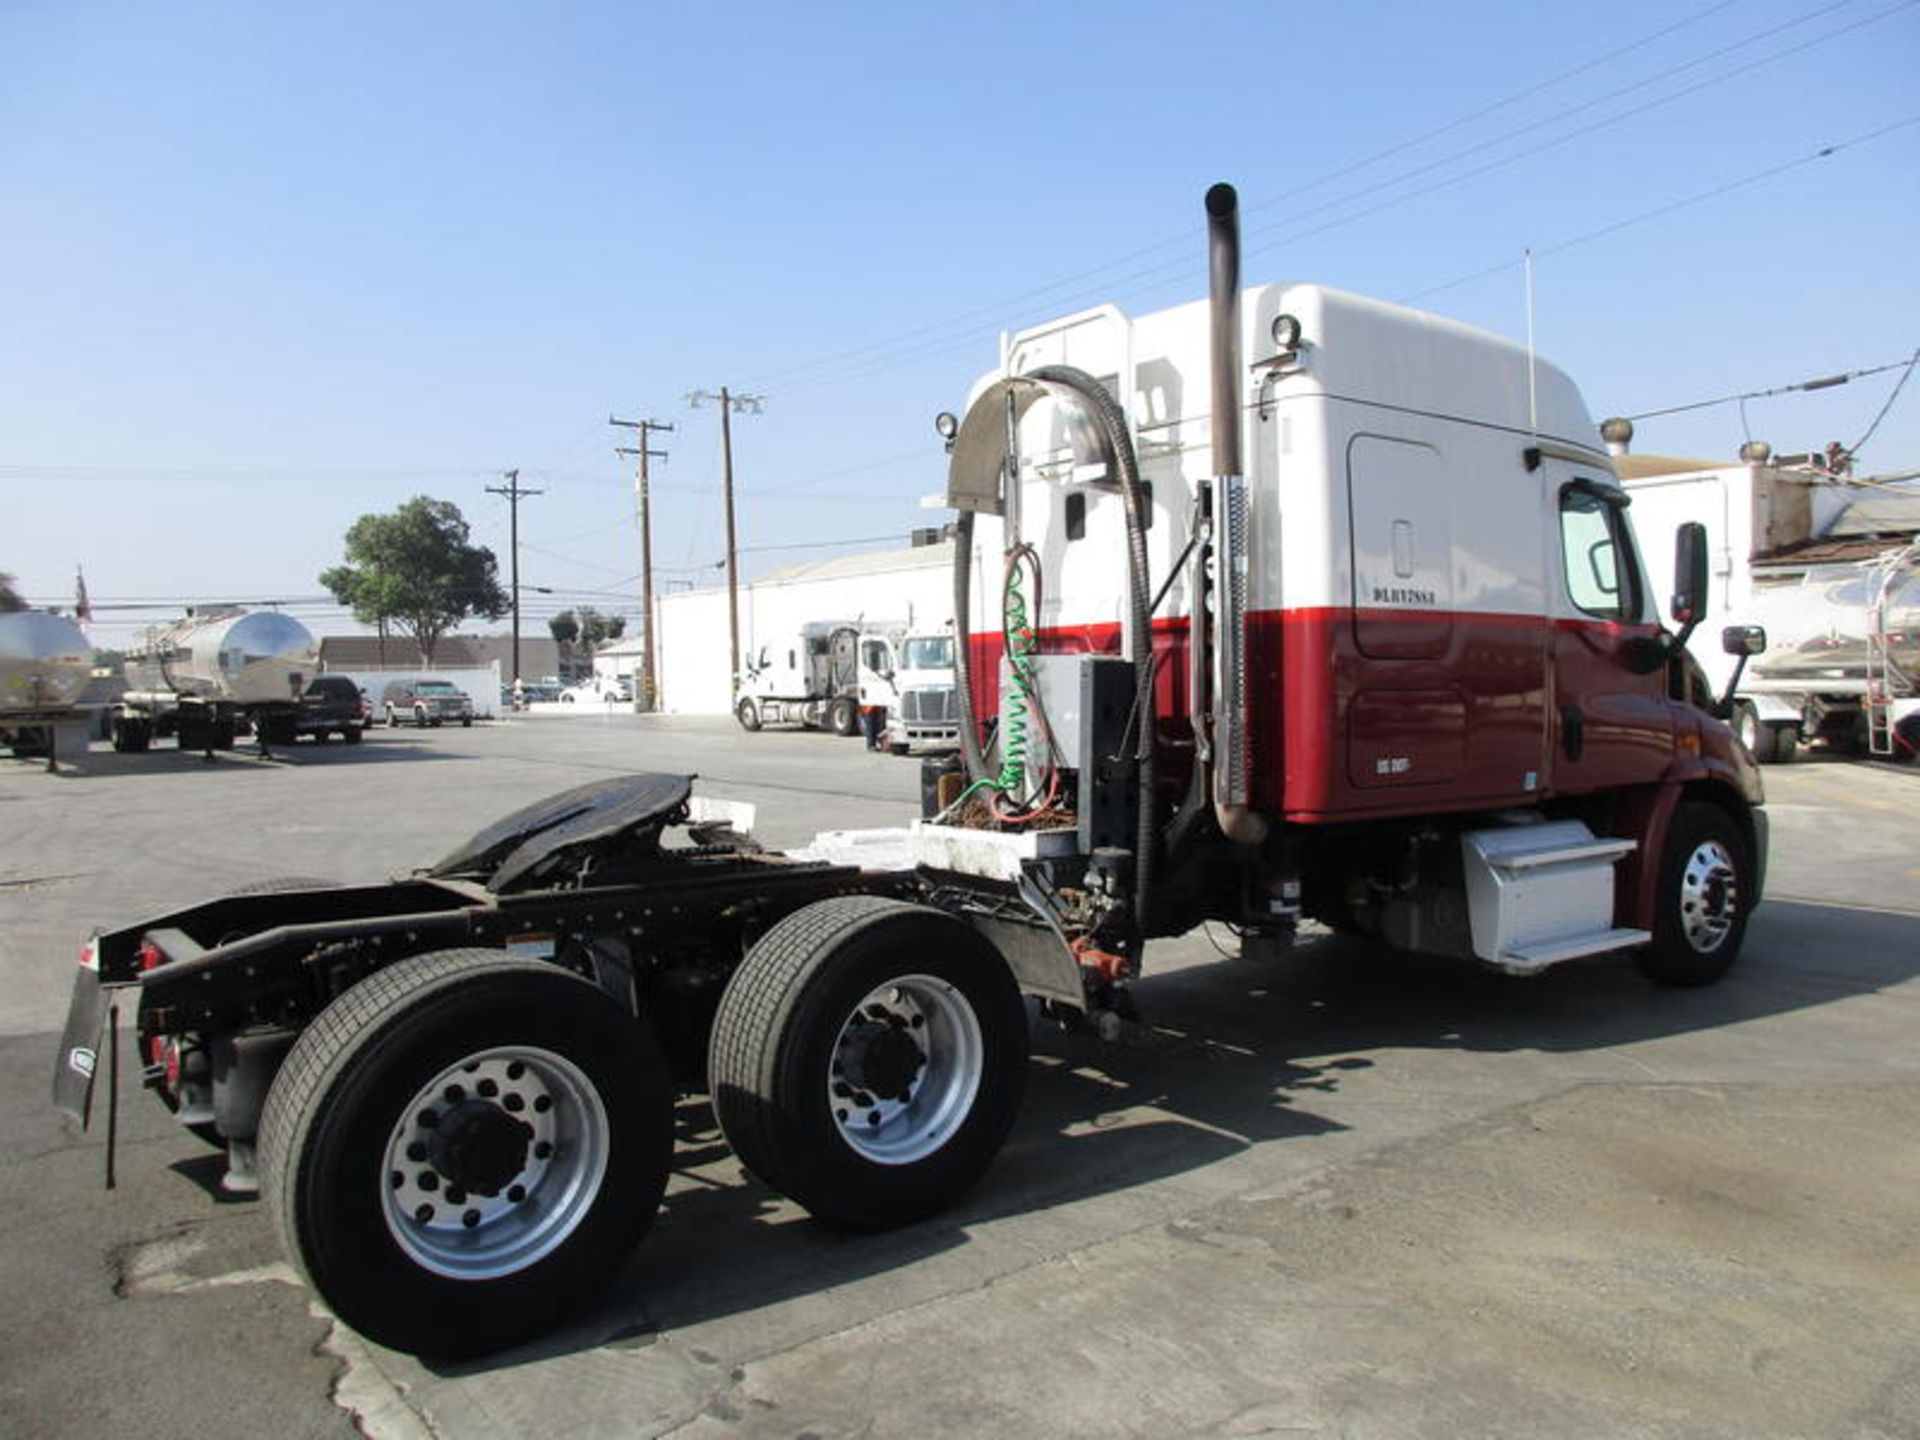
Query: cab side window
{"points": [[1602, 579]]}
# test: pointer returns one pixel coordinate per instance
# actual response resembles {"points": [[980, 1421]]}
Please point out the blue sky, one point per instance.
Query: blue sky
{"points": [[267, 268]]}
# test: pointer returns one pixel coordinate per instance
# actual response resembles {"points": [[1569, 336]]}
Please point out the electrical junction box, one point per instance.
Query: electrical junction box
{"points": [[1088, 703]]}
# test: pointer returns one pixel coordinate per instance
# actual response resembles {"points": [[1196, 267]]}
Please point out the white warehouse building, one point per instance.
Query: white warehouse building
{"points": [[913, 587]]}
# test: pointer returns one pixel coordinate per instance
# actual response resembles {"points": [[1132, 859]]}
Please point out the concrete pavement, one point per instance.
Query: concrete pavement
{"points": [[1340, 1193]]}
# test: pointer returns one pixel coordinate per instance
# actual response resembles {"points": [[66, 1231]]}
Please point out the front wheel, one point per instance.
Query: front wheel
{"points": [[843, 717], [748, 714], [1706, 892], [868, 1059], [462, 1147]]}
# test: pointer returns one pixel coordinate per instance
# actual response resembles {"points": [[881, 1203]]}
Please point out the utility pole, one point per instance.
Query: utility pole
{"points": [[514, 495], [729, 402], [646, 690]]}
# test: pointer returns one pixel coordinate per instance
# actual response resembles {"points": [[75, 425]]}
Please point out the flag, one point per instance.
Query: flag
{"points": [[82, 608]]}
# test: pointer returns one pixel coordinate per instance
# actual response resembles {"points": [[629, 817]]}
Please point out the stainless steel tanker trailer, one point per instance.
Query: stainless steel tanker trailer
{"points": [[204, 678], [1843, 650], [45, 663]]}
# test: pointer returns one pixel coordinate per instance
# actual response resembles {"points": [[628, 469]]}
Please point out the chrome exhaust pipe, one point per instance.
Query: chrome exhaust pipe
{"points": [[1231, 784]]}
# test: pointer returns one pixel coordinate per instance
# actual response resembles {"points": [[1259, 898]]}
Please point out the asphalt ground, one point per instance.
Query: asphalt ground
{"points": [[1339, 1192]]}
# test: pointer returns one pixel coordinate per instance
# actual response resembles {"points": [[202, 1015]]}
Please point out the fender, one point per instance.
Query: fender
{"points": [[1708, 765]]}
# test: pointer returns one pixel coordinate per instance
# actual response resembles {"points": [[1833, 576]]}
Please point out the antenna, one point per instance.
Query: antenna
{"points": [[1533, 394]]}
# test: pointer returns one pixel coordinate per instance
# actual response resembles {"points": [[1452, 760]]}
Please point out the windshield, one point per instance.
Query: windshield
{"points": [[436, 687], [928, 652]]}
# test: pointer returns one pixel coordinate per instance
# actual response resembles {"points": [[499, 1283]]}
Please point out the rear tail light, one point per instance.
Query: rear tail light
{"points": [[150, 956], [90, 956], [164, 1055]]}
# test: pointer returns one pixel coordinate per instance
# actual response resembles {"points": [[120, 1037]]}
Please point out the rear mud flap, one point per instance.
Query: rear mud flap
{"points": [[79, 1057]]}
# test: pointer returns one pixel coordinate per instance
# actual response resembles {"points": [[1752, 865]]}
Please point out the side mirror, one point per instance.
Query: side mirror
{"points": [[1689, 578], [1744, 641]]}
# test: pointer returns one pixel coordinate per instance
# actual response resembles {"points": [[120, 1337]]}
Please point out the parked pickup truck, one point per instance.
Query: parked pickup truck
{"points": [[332, 704], [427, 701]]}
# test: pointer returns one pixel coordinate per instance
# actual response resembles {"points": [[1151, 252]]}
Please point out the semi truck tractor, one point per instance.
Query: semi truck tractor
{"points": [[818, 677], [1302, 610], [203, 679], [926, 712]]}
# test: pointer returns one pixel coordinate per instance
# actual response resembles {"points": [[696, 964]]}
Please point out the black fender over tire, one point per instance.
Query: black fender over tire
{"points": [[373, 1102], [826, 1006], [1706, 893]]}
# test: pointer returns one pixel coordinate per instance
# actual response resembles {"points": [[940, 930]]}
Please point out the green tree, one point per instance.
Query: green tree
{"points": [[9, 597], [588, 628], [415, 569]]}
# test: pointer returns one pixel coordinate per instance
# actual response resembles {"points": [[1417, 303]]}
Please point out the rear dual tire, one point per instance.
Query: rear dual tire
{"points": [[868, 1059], [463, 1147]]}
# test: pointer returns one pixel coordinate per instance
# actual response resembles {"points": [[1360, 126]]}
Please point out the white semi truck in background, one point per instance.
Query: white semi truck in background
{"points": [[926, 712], [819, 676], [1436, 706]]}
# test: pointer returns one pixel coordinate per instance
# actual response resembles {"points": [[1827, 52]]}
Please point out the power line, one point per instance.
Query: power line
{"points": [[1824, 382], [1659, 211], [1898, 387]]}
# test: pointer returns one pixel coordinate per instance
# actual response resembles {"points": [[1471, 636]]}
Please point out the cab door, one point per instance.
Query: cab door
{"points": [[1611, 723]]}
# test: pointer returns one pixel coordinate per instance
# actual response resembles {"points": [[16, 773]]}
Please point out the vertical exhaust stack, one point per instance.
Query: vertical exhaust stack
{"points": [[1230, 781]]}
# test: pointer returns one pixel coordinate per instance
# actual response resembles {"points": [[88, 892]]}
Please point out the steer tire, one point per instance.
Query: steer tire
{"points": [[445, 1074], [1706, 893], [747, 712], [843, 717], [795, 1022]]}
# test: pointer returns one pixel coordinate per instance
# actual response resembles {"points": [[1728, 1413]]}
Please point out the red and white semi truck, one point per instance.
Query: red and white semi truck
{"points": [[1310, 607]]}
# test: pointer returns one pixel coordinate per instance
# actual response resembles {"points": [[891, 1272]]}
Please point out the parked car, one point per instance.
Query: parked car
{"points": [[598, 690], [429, 701], [332, 703]]}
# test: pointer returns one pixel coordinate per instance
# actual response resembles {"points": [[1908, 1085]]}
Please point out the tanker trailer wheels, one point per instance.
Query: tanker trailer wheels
{"points": [[747, 712], [1706, 891], [868, 1059], [463, 1146], [131, 734], [843, 717]]}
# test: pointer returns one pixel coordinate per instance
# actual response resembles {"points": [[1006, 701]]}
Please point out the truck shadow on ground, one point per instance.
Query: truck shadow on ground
{"points": [[1230, 1055], [244, 760]]}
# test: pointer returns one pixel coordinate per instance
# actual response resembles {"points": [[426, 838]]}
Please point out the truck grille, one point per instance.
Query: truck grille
{"points": [[929, 707]]}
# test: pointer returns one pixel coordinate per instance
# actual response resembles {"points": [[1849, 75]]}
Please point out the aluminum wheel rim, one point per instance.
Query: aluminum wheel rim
{"points": [[471, 1236], [1709, 896], [923, 1114]]}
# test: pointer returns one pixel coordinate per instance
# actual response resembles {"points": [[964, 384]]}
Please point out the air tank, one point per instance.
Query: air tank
{"points": [[45, 661], [1821, 628], [249, 657]]}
